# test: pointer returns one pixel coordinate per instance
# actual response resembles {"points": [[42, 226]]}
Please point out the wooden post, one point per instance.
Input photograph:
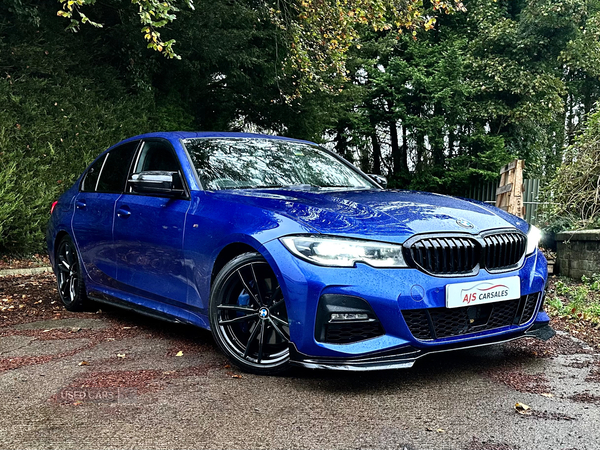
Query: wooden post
{"points": [[509, 195]]}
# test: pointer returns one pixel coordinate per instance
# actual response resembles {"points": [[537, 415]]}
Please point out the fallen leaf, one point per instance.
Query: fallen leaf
{"points": [[179, 353], [83, 363], [522, 408], [235, 375]]}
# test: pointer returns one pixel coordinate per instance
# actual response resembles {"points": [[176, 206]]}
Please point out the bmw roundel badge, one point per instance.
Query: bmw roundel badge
{"points": [[464, 223]]}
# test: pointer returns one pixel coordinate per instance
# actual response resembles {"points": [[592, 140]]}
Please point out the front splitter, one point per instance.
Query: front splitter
{"points": [[404, 357]]}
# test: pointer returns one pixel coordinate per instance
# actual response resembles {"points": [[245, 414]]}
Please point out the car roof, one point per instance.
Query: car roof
{"points": [[175, 135]]}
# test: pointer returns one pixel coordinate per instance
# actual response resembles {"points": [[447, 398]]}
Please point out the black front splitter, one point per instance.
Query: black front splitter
{"points": [[405, 357]]}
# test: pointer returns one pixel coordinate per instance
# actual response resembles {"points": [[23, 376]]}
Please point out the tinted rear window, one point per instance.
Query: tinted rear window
{"points": [[91, 177], [116, 167]]}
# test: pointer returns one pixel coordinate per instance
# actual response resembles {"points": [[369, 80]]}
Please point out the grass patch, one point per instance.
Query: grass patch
{"points": [[575, 300]]}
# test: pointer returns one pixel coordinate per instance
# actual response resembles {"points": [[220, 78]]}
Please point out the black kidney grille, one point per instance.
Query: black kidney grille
{"points": [[446, 255], [504, 250], [461, 255], [438, 323], [340, 332]]}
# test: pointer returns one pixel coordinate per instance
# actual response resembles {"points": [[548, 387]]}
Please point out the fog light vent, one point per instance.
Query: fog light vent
{"points": [[342, 319], [337, 317]]}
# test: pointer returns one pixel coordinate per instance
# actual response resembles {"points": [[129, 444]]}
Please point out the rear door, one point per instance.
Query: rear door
{"points": [[148, 233], [101, 186]]}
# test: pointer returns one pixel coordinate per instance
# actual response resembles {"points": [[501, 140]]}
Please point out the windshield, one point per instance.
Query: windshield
{"points": [[250, 163]]}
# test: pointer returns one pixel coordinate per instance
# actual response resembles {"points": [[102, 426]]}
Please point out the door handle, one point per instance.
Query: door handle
{"points": [[123, 212], [80, 204]]}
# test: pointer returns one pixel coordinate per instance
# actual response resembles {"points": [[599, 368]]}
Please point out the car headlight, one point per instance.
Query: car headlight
{"points": [[341, 252], [533, 239]]}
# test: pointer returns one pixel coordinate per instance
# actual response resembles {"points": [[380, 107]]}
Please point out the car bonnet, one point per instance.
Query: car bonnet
{"points": [[391, 215]]}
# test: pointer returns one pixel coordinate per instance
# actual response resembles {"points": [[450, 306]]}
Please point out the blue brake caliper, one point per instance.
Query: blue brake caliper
{"points": [[243, 300]]}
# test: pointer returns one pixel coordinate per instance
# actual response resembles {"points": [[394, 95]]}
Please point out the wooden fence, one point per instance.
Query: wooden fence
{"points": [[486, 192]]}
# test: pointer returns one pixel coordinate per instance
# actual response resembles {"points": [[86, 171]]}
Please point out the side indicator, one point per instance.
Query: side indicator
{"points": [[53, 206]]}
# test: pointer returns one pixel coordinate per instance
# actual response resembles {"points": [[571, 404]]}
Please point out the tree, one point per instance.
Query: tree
{"points": [[447, 109], [318, 32], [572, 198]]}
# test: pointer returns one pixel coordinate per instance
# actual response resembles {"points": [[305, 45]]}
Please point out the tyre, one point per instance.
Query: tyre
{"points": [[248, 316], [71, 286]]}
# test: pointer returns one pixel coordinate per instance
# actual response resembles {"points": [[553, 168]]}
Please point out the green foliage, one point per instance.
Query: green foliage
{"points": [[318, 34], [579, 301], [153, 14], [57, 115], [506, 79], [482, 163], [573, 196]]}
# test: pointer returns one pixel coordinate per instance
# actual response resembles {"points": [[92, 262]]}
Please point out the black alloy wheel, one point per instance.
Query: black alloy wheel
{"points": [[71, 286], [248, 315]]}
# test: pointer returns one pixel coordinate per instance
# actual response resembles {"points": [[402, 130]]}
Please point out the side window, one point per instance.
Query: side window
{"points": [[90, 180], [156, 156], [116, 167]]}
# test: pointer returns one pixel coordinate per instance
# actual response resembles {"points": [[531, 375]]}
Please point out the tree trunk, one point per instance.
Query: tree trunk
{"points": [[404, 153], [376, 153], [341, 143], [437, 142], [396, 156]]}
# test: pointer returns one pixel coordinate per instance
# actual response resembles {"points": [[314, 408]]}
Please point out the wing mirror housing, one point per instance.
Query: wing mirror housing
{"points": [[157, 182], [379, 179]]}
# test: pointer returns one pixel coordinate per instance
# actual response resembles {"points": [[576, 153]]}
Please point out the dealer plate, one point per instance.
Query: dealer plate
{"points": [[481, 292]]}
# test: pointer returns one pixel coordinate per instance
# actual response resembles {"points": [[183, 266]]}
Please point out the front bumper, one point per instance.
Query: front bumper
{"points": [[404, 358], [389, 292]]}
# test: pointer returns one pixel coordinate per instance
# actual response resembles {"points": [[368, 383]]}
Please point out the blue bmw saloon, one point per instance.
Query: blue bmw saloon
{"points": [[291, 255]]}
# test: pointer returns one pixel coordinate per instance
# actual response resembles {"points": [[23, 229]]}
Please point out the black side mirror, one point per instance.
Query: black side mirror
{"points": [[379, 179], [157, 182]]}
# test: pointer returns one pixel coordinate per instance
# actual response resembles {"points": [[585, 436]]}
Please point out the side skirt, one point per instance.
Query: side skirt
{"points": [[113, 301]]}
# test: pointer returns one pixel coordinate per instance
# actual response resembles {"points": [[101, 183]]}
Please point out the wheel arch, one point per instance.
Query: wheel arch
{"points": [[227, 253], [61, 234]]}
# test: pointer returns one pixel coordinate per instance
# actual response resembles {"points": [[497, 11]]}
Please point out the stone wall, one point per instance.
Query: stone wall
{"points": [[578, 253]]}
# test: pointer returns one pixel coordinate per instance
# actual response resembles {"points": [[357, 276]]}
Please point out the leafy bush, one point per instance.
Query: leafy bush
{"points": [[55, 119], [573, 196]]}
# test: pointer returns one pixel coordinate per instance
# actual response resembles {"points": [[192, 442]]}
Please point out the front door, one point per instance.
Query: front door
{"points": [[148, 234]]}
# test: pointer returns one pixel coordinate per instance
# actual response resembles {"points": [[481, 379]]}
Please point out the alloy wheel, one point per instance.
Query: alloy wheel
{"points": [[250, 315], [70, 283]]}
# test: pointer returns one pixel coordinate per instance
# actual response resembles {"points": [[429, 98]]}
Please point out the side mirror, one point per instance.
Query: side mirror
{"points": [[379, 179], [157, 182]]}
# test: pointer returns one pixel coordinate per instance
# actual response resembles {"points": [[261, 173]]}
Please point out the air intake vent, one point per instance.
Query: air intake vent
{"points": [[438, 323]]}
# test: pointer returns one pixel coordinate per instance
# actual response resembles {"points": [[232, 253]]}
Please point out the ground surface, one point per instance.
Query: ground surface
{"points": [[140, 394]]}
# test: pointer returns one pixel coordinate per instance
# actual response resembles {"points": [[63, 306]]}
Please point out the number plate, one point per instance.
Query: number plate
{"points": [[480, 292]]}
